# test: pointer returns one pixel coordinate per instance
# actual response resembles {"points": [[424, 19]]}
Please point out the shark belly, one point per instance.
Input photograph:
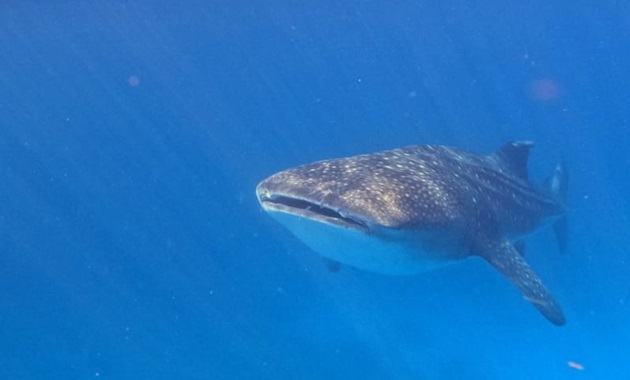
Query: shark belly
{"points": [[392, 255]]}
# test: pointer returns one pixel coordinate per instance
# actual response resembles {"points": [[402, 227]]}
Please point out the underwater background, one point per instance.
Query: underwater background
{"points": [[133, 134]]}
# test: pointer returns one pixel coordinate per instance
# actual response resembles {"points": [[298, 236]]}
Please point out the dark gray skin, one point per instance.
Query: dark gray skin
{"points": [[475, 205]]}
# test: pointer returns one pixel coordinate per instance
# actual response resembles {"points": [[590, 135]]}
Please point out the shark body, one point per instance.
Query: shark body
{"points": [[413, 209]]}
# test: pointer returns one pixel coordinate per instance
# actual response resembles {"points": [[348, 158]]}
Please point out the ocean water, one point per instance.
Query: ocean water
{"points": [[133, 134]]}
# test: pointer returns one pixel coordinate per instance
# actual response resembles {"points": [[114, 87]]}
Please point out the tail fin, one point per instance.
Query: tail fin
{"points": [[559, 187]]}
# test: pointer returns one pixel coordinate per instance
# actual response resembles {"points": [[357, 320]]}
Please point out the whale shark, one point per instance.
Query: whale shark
{"points": [[410, 210]]}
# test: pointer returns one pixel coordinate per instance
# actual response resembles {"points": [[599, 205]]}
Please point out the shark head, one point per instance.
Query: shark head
{"points": [[387, 212]]}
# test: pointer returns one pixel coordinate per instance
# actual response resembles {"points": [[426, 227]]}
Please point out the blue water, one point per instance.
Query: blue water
{"points": [[133, 134]]}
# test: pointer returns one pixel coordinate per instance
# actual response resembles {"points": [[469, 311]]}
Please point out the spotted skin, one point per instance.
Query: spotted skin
{"points": [[474, 204], [502, 255]]}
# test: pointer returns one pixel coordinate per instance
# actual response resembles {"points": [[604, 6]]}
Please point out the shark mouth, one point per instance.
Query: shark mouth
{"points": [[308, 209]]}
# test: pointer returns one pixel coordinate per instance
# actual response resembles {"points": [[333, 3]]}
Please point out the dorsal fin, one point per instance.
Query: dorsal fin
{"points": [[514, 155]]}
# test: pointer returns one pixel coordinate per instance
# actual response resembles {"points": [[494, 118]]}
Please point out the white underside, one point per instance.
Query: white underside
{"points": [[393, 253]]}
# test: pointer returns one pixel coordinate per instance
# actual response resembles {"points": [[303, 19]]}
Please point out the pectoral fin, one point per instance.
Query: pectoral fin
{"points": [[502, 255]]}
